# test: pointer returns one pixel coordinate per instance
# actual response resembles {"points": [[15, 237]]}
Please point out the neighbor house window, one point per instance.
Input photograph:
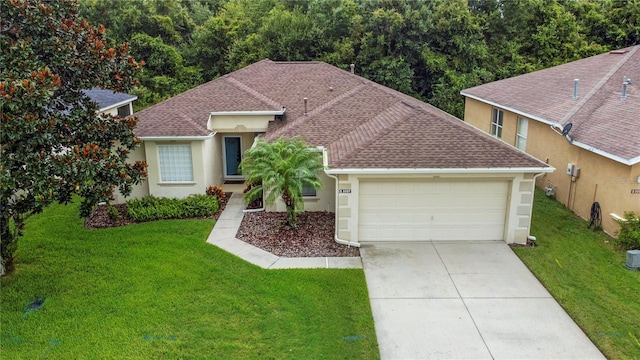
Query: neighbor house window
{"points": [[496, 123], [521, 137], [124, 111], [175, 163]]}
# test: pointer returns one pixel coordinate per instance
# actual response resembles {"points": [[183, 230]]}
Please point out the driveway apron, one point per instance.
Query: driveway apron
{"points": [[465, 300]]}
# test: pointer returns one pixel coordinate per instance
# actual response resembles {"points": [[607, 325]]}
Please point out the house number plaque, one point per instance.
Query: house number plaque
{"points": [[345, 191]]}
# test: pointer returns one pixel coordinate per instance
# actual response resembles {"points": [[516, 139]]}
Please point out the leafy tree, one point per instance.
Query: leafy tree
{"points": [[280, 170], [209, 46], [53, 144], [164, 74], [455, 54]]}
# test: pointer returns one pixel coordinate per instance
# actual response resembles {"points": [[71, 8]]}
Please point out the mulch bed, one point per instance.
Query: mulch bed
{"points": [[99, 218], [312, 237]]}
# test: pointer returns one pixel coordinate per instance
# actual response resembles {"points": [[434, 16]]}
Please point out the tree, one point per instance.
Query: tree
{"points": [[53, 143], [281, 169]]}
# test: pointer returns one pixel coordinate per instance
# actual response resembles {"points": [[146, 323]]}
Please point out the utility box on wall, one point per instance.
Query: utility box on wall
{"points": [[633, 260]]}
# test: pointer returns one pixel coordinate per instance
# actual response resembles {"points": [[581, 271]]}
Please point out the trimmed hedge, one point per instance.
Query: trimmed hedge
{"points": [[150, 208]]}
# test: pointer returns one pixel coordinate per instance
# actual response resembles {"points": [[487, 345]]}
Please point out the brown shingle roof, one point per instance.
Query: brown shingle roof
{"points": [[361, 123], [600, 118]]}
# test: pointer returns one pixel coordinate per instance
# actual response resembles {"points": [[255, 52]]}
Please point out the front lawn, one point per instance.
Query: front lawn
{"points": [[586, 275], [157, 290]]}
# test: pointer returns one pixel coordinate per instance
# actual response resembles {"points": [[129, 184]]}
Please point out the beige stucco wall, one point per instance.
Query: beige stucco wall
{"points": [[517, 221], [601, 179], [139, 190], [239, 123]]}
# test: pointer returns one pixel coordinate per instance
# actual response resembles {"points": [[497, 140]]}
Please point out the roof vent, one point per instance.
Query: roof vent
{"points": [[305, 105], [624, 91], [353, 68], [575, 88]]}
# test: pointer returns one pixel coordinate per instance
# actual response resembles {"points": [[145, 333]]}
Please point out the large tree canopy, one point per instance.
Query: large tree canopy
{"points": [[53, 144], [428, 49]]}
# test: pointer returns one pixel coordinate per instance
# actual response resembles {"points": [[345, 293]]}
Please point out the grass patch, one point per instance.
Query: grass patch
{"points": [[586, 275], [157, 290]]}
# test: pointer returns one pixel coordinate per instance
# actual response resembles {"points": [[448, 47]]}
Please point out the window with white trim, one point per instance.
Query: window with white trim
{"points": [[521, 136], [175, 163], [497, 117]]}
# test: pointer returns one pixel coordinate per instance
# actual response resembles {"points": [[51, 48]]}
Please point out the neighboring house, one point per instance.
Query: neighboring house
{"points": [[597, 102], [110, 102], [395, 168]]}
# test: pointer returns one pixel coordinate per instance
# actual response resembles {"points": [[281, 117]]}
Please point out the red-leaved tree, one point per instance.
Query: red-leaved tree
{"points": [[53, 144]]}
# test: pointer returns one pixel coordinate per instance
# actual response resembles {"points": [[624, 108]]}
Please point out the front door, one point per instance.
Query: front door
{"points": [[232, 157]]}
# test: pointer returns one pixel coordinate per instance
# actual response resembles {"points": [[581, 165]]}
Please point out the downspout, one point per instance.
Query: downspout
{"points": [[325, 164], [533, 194]]}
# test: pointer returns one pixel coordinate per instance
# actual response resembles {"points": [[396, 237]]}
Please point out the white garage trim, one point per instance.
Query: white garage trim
{"points": [[438, 171], [425, 210]]}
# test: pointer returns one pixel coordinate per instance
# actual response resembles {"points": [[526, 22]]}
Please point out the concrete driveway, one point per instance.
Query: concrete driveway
{"points": [[465, 300]]}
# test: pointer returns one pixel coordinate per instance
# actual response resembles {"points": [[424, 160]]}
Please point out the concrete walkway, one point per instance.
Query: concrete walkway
{"points": [[465, 300], [223, 236]]}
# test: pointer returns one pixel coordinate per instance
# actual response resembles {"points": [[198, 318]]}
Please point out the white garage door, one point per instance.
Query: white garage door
{"points": [[426, 210]]}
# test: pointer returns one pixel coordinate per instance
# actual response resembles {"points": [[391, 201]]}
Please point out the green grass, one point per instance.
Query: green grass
{"points": [[586, 275], [157, 290]]}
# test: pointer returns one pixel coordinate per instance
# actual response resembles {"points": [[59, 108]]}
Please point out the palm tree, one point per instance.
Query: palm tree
{"points": [[281, 169]]}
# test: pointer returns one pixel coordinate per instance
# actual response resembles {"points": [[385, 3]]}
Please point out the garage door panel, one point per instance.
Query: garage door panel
{"points": [[473, 210]]}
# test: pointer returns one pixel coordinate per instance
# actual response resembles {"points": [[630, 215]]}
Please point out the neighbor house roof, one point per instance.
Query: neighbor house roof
{"points": [[362, 124], [602, 121], [108, 98]]}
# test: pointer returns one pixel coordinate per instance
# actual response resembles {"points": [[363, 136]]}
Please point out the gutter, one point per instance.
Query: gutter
{"points": [[262, 112], [129, 101], [336, 238], [177, 138], [406, 171], [616, 158], [530, 116]]}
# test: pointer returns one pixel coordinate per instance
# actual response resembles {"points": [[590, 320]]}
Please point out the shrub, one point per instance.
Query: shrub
{"points": [[629, 232], [216, 191], [200, 205], [113, 213], [151, 208]]}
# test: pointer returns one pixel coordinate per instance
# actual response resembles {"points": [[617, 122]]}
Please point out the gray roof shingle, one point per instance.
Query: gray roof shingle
{"points": [[108, 98], [361, 123], [600, 118]]}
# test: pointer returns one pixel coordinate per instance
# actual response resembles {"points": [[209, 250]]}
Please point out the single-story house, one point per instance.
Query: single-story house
{"points": [[395, 168], [583, 118]]}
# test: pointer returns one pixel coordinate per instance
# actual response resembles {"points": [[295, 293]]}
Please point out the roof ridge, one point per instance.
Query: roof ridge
{"points": [[385, 119], [318, 110], [598, 86], [260, 96]]}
